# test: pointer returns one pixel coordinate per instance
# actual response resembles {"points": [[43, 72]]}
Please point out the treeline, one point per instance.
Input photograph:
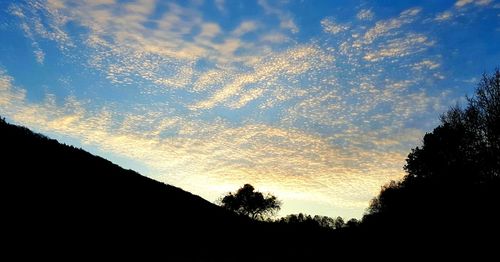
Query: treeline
{"points": [[454, 176], [318, 221]]}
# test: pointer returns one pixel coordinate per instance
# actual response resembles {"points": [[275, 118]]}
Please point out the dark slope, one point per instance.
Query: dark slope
{"points": [[58, 199], [60, 196]]}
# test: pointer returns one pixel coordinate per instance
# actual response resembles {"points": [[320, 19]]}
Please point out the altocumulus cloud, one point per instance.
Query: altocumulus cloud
{"points": [[324, 120]]}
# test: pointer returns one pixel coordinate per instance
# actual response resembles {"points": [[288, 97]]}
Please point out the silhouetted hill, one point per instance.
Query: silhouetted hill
{"points": [[58, 197], [54, 193]]}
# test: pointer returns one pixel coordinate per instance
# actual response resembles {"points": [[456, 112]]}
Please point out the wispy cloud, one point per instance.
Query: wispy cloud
{"points": [[282, 159], [37, 51], [288, 64], [245, 27], [274, 37], [164, 53], [34, 28], [326, 119], [425, 64], [365, 14], [286, 19], [458, 9], [462, 3], [383, 28], [409, 44], [9, 94], [446, 15], [331, 27]]}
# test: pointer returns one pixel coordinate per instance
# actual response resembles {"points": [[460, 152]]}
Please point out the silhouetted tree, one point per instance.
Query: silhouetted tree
{"points": [[457, 167], [302, 220], [316, 221], [339, 223], [352, 223], [246, 201], [467, 143], [325, 221]]}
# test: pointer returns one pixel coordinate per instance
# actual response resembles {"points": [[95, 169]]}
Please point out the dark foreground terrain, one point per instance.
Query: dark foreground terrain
{"points": [[58, 198], [60, 201]]}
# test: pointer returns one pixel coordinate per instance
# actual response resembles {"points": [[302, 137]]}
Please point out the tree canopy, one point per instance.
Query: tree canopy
{"points": [[246, 201], [318, 221], [456, 169]]}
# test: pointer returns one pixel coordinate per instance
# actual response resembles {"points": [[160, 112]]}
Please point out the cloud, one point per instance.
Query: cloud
{"points": [[425, 64], [29, 33], [382, 28], [410, 44], [209, 30], [9, 94], [33, 26], [286, 20], [483, 2], [462, 3], [245, 27], [317, 120], [385, 41], [288, 23], [456, 11], [40, 56], [446, 15], [331, 27], [128, 45], [197, 154], [365, 14], [274, 37], [290, 64]]}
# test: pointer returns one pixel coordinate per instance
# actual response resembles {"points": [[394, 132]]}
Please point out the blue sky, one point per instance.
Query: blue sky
{"points": [[318, 102]]}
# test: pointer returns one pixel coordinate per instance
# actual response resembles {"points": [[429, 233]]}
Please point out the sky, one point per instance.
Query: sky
{"points": [[317, 102]]}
